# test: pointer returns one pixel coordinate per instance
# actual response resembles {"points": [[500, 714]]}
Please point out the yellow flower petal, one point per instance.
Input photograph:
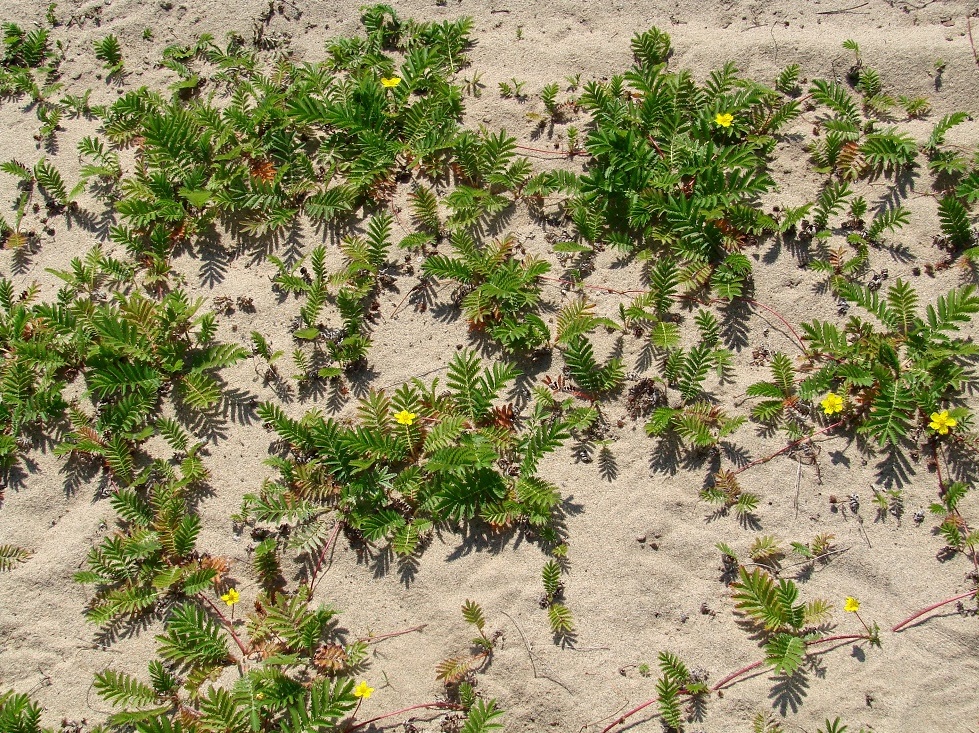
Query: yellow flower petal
{"points": [[941, 422], [724, 119], [231, 597], [405, 418], [852, 605], [390, 82], [832, 403], [363, 690]]}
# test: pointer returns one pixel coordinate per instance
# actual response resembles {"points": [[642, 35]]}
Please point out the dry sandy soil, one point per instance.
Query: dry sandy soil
{"points": [[645, 574]]}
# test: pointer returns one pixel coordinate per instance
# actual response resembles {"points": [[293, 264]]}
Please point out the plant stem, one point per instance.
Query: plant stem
{"points": [[939, 456], [857, 614], [735, 675], [744, 670], [326, 547], [438, 705], [824, 640], [225, 621], [380, 637], [622, 718], [932, 607], [780, 317], [568, 154], [789, 447]]}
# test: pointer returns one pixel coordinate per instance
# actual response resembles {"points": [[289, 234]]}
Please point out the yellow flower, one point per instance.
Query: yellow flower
{"points": [[405, 418], [724, 119], [832, 403], [390, 82], [231, 597], [941, 423], [852, 605], [363, 690]]}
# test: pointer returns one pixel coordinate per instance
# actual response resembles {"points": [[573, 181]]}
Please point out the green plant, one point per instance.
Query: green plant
{"points": [[415, 460], [109, 52], [23, 49], [32, 372], [153, 556], [133, 348], [356, 288], [781, 406], [914, 107], [497, 292], [947, 163], [593, 379], [785, 623], [105, 166], [726, 492], [766, 723], [487, 167], [455, 671], [844, 148], [262, 348], [472, 85], [956, 226], [954, 528], [701, 424], [675, 683], [836, 726], [19, 714], [513, 90], [273, 695], [558, 615], [900, 374], [52, 185], [816, 550], [666, 177], [11, 555], [787, 81]]}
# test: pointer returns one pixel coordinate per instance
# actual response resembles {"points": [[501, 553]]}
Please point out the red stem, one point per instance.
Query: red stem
{"points": [[939, 456], [629, 714], [224, 620], [932, 607], [782, 319], [326, 547], [439, 705], [734, 675], [568, 154], [824, 640], [391, 635], [789, 447]]}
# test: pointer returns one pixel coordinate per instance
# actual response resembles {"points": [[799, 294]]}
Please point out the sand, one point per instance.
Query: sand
{"points": [[644, 573]]}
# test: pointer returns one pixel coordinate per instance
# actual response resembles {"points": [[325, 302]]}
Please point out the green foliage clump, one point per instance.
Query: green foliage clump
{"points": [[18, 714], [132, 347], [786, 624], [900, 371], [667, 177], [498, 292], [31, 373], [414, 460], [154, 554]]}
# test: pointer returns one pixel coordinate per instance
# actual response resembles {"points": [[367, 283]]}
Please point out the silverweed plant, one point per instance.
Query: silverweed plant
{"points": [[415, 461], [243, 146]]}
